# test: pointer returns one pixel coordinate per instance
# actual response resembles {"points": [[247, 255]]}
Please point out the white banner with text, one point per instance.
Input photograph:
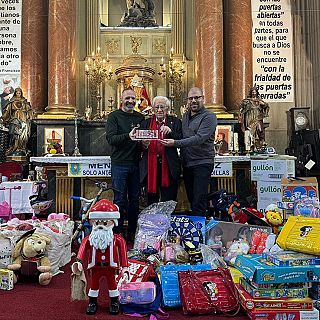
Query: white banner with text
{"points": [[272, 49], [10, 47]]}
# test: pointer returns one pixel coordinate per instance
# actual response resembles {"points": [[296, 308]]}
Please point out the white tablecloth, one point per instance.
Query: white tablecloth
{"points": [[19, 198]]}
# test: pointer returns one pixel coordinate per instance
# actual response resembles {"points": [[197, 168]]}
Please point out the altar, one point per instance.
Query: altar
{"points": [[69, 176]]}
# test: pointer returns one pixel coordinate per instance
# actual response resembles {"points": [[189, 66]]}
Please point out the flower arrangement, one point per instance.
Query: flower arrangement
{"points": [[54, 147]]}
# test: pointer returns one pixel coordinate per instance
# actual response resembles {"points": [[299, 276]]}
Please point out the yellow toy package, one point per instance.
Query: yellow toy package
{"points": [[301, 234]]}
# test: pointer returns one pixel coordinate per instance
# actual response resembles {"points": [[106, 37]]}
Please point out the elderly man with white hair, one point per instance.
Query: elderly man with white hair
{"points": [[160, 167]]}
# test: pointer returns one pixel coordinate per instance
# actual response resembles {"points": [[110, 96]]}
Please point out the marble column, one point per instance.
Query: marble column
{"points": [[93, 26], [209, 52], [34, 53], [62, 58], [178, 34], [238, 52]]}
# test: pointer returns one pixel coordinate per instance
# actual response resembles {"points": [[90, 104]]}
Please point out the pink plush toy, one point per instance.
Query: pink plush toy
{"points": [[58, 216]]}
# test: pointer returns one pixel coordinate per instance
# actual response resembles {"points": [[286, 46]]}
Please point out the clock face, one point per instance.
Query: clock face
{"points": [[301, 120]]}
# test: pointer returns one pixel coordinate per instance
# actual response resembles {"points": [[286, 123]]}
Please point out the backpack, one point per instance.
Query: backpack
{"points": [[151, 309]]}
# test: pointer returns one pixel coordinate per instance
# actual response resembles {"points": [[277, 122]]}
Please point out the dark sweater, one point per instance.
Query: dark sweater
{"points": [[197, 145], [119, 124]]}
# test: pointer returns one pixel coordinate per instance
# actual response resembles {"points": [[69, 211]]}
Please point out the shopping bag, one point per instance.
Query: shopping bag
{"points": [[207, 292]]}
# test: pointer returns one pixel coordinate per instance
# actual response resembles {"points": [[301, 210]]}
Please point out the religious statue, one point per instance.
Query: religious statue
{"points": [[252, 112], [140, 13], [17, 117]]}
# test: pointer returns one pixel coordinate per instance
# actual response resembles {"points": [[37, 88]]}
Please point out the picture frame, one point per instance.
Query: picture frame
{"points": [[226, 132], [54, 139]]}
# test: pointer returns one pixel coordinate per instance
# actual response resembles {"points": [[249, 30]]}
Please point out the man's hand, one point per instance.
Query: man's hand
{"points": [[132, 134], [167, 142], [165, 130]]}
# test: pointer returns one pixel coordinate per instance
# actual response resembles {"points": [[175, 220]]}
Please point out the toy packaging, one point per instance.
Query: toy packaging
{"points": [[231, 239], [170, 284], [274, 293], [291, 258], [253, 304], [300, 234], [6, 279], [137, 292], [307, 207], [257, 269], [188, 228], [284, 315]]}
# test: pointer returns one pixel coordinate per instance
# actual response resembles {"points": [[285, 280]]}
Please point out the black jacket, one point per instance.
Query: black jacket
{"points": [[171, 152]]}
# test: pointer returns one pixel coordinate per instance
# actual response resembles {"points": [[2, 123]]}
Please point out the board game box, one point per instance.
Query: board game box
{"points": [[291, 258], [253, 304], [284, 315], [274, 293]]}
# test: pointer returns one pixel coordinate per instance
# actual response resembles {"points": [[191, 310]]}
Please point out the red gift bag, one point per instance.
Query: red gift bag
{"points": [[206, 292]]}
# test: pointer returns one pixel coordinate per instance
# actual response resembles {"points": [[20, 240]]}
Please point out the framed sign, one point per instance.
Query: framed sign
{"points": [[223, 136], [54, 140]]}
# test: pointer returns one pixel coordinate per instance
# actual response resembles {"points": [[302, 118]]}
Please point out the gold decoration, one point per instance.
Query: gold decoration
{"points": [[159, 45], [135, 44], [113, 46]]}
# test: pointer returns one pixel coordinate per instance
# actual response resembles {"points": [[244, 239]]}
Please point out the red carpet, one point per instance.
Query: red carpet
{"points": [[32, 301]]}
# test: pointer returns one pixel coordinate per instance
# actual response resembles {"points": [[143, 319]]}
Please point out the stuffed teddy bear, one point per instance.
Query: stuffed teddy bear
{"points": [[29, 259]]}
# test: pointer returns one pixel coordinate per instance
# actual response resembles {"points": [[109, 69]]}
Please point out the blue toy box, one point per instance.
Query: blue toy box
{"points": [[257, 269]]}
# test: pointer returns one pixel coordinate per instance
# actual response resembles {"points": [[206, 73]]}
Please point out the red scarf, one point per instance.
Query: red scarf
{"points": [[153, 162]]}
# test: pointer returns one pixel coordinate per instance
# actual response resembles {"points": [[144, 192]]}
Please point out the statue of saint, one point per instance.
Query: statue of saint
{"points": [[140, 13], [252, 112], [17, 117]]}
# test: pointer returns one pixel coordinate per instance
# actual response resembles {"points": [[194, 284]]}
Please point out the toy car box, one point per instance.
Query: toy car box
{"points": [[284, 315], [291, 258], [257, 269], [253, 304]]}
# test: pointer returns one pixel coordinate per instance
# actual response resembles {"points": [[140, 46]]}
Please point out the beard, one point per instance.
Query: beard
{"points": [[101, 237]]}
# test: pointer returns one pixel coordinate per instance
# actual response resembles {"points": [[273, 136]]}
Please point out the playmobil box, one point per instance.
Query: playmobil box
{"points": [[284, 315], [230, 239], [291, 258], [274, 293], [259, 270], [253, 304], [6, 279]]}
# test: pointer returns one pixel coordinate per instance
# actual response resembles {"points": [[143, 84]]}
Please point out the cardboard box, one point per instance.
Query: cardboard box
{"points": [[284, 315], [260, 271], [230, 239], [274, 293], [294, 189], [268, 192], [6, 279], [272, 169], [291, 258], [254, 304]]}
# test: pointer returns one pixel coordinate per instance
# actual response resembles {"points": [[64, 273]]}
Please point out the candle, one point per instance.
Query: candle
{"points": [[247, 140], [183, 58], [162, 61], [93, 53], [230, 141], [107, 56], [87, 67], [235, 142], [98, 49]]}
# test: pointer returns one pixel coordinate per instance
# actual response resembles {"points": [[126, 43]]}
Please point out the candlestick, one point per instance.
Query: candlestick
{"points": [[247, 140], [235, 142], [230, 141]]}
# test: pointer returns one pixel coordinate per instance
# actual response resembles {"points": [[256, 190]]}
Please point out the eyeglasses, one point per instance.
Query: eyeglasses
{"points": [[195, 98], [161, 107]]}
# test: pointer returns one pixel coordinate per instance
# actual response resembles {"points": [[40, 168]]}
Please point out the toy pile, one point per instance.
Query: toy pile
{"points": [[282, 285]]}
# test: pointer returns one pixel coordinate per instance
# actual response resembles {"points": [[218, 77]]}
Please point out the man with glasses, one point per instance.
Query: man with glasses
{"points": [[125, 156], [160, 166], [197, 150]]}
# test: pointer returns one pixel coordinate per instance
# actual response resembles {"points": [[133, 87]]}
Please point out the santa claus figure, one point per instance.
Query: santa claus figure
{"points": [[106, 254]]}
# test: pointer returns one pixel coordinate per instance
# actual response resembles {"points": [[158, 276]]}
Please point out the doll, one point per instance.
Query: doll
{"points": [[107, 253]]}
